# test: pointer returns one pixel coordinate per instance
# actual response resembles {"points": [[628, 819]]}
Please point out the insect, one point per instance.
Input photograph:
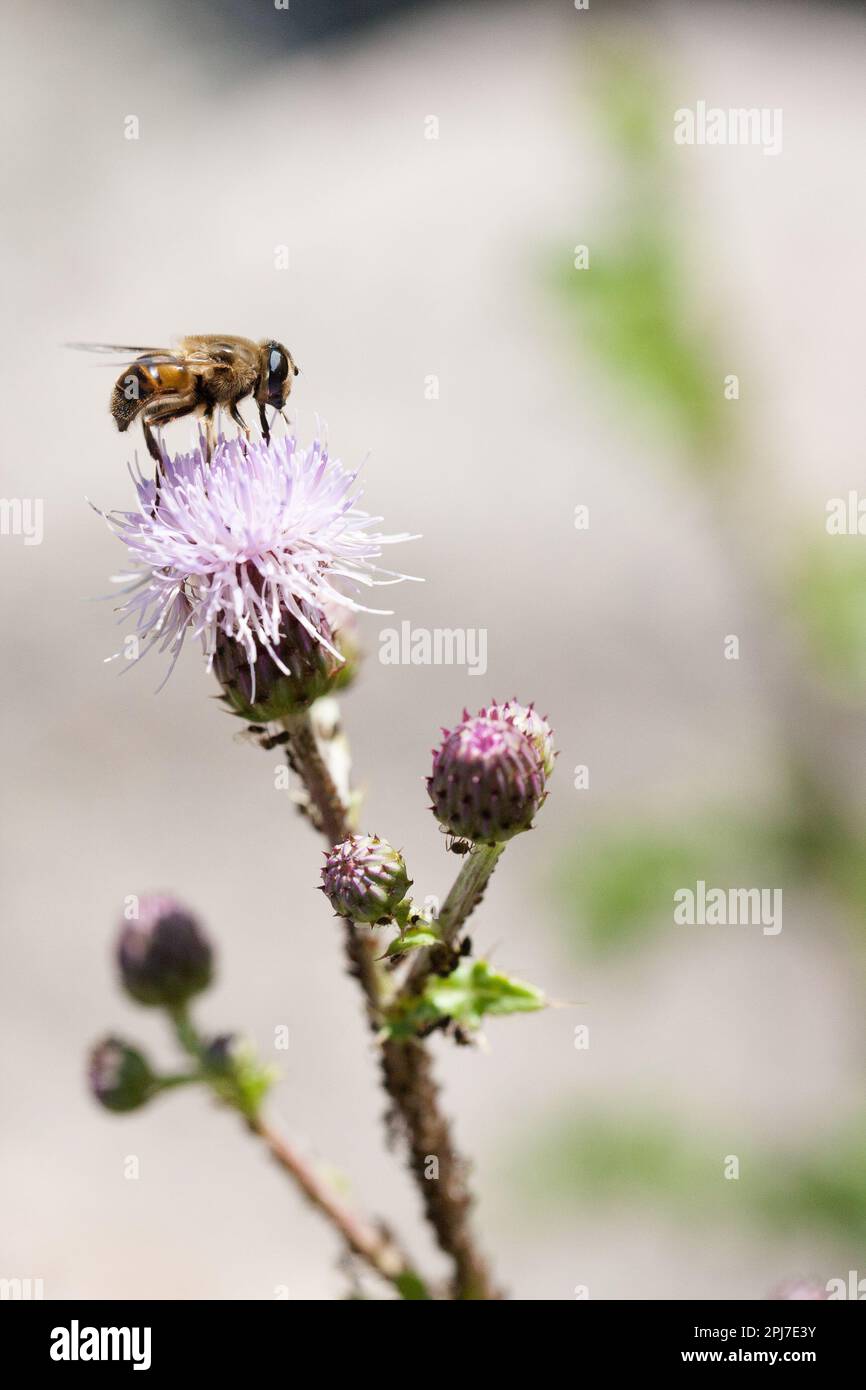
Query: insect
{"points": [[458, 846], [203, 374]]}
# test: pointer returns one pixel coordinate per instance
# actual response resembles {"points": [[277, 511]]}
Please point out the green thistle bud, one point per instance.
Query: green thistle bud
{"points": [[120, 1077]]}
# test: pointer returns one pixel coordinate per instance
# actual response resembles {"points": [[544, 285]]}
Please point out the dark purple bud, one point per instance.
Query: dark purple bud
{"points": [[164, 955]]}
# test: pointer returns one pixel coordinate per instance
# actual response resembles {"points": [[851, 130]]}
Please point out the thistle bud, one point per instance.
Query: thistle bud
{"points": [[288, 677], [164, 955], [365, 878], [222, 1053], [120, 1077], [489, 775], [529, 722]]}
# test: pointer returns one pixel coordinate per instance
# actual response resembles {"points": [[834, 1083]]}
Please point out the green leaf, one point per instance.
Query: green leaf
{"points": [[411, 940], [466, 995], [412, 1288]]}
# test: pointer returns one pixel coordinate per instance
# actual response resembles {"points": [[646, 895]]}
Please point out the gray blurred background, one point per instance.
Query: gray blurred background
{"points": [[411, 257]]}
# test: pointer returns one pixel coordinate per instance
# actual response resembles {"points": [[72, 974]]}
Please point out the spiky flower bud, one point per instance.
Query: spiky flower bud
{"points": [[164, 955], [120, 1077], [489, 774], [527, 719], [365, 878], [287, 677]]}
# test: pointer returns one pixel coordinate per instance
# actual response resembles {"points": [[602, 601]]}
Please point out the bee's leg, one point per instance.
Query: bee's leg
{"points": [[152, 446], [210, 433], [154, 451], [263, 417], [239, 420], [157, 412]]}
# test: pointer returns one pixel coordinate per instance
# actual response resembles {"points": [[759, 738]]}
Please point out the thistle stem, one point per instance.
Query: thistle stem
{"points": [[406, 1066], [306, 759], [369, 1242], [466, 893], [374, 1246]]}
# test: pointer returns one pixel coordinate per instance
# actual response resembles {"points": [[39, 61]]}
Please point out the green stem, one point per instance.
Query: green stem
{"points": [[165, 1083], [466, 893], [186, 1032]]}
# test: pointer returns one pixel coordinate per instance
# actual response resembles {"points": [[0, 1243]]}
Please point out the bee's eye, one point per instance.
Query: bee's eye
{"points": [[278, 370]]}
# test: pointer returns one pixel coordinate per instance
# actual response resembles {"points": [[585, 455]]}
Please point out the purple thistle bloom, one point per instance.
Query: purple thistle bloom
{"points": [[489, 774], [233, 544]]}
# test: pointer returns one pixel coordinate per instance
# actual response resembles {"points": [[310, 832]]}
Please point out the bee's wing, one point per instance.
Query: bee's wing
{"points": [[125, 354]]}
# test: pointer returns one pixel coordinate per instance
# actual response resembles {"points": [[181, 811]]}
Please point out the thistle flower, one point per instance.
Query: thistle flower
{"points": [[120, 1077], [300, 669], [489, 774], [164, 955], [365, 878], [234, 548]]}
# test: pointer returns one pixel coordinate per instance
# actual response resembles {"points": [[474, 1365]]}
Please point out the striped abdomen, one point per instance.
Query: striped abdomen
{"points": [[141, 381]]}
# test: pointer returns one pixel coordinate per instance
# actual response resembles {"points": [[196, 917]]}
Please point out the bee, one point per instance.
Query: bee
{"points": [[204, 373]]}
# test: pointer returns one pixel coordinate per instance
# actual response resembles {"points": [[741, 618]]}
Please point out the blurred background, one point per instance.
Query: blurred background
{"points": [[412, 257]]}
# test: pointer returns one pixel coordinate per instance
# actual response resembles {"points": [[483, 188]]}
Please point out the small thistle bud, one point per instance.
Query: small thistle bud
{"points": [[489, 776], [221, 1055], [164, 955], [286, 679], [120, 1077], [365, 878]]}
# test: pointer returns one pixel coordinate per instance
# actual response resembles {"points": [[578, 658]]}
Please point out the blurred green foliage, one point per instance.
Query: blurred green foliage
{"points": [[617, 888], [629, 311], [630, 1155], [828, 598], [632, 306], [634, 309]]}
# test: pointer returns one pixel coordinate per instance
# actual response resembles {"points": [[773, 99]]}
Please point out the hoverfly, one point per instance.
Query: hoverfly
{"points": [[204, 373]]}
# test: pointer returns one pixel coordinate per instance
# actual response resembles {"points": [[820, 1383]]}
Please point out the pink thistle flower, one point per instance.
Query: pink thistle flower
{"points": [[231, 545]]}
